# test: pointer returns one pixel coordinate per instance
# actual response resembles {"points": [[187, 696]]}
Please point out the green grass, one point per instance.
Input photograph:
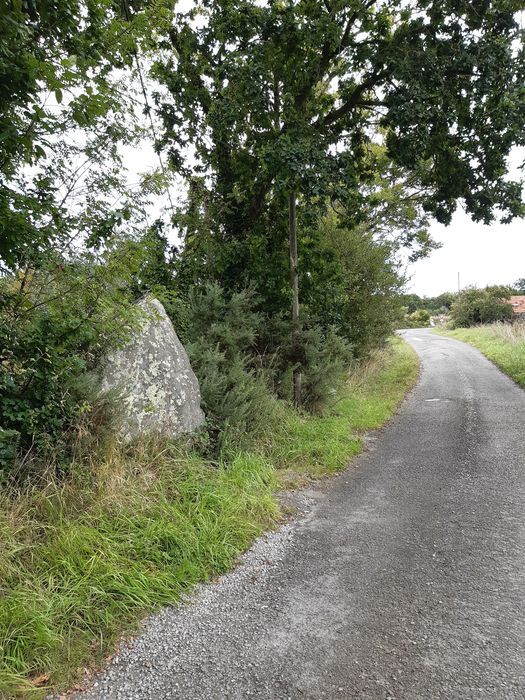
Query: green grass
{"points": [[81, 562], [502, 343], [319, 446]]}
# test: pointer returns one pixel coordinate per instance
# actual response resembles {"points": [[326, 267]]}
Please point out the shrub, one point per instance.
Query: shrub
{"points": [[328, 359], [323, 358], [54, 326], [222, 333], [9, 440], [474, 306], [235, 398], [420, 318], [417, 319], [244, 359]]}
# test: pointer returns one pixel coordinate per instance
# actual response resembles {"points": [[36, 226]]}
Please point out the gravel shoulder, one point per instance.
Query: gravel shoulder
{"points": [[403, 577]]}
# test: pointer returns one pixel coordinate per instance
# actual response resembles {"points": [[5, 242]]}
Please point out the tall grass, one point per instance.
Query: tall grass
{"points": [[82, 561], [79, 562], [503, 343]]}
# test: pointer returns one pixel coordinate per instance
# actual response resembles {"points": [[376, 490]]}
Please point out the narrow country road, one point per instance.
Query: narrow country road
{"points": [[404, 579]]}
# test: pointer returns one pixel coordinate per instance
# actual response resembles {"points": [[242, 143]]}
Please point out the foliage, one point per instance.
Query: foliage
{"points": [[324, 358], [156, 269], [286, 96], [328, 358], [417, 319], [56, 322], [63, 111], [8, 451], [436, 305], [519, 286], [137, 530], [243, 359], [222, 334], [474, 306], [357, 286], [379, 112]]}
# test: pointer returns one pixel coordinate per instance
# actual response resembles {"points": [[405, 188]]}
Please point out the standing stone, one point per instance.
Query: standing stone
{"points": [[153, 376]]}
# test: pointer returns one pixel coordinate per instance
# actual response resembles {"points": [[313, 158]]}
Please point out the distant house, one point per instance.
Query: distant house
{"points": [[518, 307]]}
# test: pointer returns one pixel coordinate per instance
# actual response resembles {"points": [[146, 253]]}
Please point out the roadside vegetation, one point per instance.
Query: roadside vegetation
{"points": [[84, 558], [471, 306], [309, 148], [502, 343]]}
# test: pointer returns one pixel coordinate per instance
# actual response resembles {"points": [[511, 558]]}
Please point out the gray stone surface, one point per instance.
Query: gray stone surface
{"points": [[403, 579], [153, 376]]}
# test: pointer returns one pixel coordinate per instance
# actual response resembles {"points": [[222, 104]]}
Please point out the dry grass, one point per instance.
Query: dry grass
{"points": [[509, 332]]}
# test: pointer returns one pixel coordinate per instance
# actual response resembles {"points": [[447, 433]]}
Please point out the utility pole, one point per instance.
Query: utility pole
{"points": [[459, 286]]}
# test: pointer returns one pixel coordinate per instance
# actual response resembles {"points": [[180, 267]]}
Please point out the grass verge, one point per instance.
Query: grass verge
{"points": [[318, 446], [82, 561], [502, 343]]}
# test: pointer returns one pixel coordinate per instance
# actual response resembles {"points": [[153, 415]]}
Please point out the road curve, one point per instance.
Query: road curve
{"points": [[405, 579]]}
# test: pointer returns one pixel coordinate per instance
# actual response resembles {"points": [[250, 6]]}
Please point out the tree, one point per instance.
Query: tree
{"points": [[473, 306], [357, 288], [289, 97], [62, 115], [156, 268], [519, 286]]}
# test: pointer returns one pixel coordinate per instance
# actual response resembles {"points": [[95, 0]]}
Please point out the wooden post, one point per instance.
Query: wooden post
{"points": [[294, 284]]}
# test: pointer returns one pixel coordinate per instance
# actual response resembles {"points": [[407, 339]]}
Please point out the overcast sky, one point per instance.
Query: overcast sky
{"points": [[482, 255]]}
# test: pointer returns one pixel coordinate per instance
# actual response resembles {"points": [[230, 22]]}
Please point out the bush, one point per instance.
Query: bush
{"points": [[418, 319], [222, 333], [475, 306], [243, 360], [235, 398], [323, 359], [55, 324], [9, 440], [328, 359]]}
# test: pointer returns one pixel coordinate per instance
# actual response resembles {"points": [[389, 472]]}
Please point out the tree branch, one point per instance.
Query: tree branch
{"points": [[328, 55], [350, 22], [353, 101]]}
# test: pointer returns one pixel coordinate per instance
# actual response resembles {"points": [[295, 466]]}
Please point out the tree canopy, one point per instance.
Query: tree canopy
{"points": [[63, 111], [290, 94]]}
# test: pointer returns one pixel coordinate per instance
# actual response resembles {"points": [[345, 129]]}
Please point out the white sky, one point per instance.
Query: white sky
{"points": [[482, 255]]}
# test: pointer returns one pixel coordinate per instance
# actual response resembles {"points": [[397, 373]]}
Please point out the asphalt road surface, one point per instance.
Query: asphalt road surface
{"points": [[404, 578]]}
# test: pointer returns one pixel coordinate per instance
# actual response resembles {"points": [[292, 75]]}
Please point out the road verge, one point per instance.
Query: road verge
{"points": [[502, 343], [83, 561]]}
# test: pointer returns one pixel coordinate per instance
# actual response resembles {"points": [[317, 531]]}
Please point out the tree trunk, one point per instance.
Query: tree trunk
{"points": [[294, 284]]}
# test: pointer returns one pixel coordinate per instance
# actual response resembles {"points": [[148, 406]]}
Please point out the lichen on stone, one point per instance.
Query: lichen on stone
{"points": [[152, 373]]}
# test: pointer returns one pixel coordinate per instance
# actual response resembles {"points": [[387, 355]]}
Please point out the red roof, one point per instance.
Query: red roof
{"points": [[518, 304]]}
